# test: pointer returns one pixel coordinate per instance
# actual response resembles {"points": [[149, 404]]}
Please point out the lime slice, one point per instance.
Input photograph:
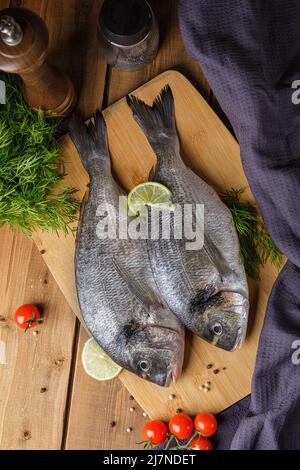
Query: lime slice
{"points": [[97, 363], [149, 194]]}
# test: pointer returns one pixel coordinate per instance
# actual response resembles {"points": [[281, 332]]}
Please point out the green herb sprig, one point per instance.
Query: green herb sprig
{"points": [[30, 168], [257, 246]]}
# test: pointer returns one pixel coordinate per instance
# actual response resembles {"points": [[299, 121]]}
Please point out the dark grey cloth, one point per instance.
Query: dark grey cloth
{"points": [[249, 51]]}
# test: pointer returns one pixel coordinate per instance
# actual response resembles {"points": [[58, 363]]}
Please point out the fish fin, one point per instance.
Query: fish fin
{"points": [[158, 120], [99, 131], [216, 257], [89, 139], [146, 296]]}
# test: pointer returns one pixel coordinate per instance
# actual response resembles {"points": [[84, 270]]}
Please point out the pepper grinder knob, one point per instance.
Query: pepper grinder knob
{"points": [[11, 32], [24, 42]]}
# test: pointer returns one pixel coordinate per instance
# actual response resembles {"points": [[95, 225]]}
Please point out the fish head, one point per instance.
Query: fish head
{"points": [[223, 320], [156, 354]]}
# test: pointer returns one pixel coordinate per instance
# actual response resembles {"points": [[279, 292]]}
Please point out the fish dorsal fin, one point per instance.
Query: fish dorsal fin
{"points": [[146, 296], [158, 119]]}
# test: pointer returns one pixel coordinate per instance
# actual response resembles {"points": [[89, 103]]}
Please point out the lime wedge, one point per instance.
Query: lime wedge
{"points": [[149, 194], [97, 363]]}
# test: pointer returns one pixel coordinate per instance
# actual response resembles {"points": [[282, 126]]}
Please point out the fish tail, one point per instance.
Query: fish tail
{"points": [[158, 120], [89, 139]]}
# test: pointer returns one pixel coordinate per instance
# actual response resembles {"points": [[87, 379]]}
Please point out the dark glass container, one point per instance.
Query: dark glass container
{"points": [[128, 33]]}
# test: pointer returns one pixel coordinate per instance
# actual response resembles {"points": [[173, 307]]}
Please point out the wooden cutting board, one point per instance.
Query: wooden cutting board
{"points": [[211, 151]]}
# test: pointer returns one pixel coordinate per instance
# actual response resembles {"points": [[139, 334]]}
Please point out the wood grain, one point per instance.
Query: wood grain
{"points": [[210, 150], [74, 49], [30, 419], [95, 406], [4, 4], [21, 425], [171, 55]]}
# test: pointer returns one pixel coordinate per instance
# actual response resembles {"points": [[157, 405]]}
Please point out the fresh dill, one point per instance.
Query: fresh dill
{"points": [[30, 168], [257, 246]]}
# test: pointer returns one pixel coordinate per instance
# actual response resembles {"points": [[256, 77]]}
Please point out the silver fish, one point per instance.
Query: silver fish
{"points": [[115, 286], [206, 288]]}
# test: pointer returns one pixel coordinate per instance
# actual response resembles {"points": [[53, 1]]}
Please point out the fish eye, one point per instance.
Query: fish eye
{"points": [[217, 329], [144, 365]]}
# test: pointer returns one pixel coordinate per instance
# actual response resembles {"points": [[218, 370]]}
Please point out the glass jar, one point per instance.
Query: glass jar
{"points": [[128, 33]]}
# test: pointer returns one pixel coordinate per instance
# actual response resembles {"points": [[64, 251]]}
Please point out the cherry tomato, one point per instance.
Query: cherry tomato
{"points": [[27, 316], [206, 424], [181, 425], [201, 443], [156, 432]]}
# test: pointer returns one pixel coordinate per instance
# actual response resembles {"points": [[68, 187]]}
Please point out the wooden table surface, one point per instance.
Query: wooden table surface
{"points": [[46, 399]]}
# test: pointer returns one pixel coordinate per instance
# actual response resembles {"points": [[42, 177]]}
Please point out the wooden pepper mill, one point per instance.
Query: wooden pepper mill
{"points": [[24, 43]]}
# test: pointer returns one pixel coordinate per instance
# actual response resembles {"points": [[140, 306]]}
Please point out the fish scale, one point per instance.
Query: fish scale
{"points": [[206, 288], [117, 294]]}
